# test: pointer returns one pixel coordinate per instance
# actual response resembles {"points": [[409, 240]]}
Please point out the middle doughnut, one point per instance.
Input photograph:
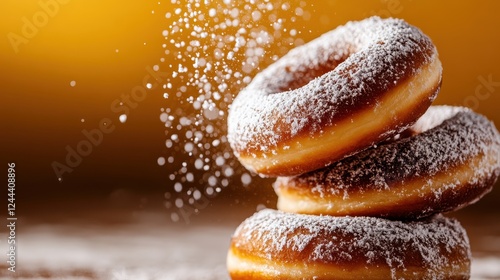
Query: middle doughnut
{"points": [[452, 162]]}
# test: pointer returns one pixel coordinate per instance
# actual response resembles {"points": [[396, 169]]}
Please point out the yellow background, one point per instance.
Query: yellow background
{"points": [[41, 113]]}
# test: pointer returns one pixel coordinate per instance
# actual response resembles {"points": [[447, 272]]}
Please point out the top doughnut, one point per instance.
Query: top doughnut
{"points": [[334, 96]]}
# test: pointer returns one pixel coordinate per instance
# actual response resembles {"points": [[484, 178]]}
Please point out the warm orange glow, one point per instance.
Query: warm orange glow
{"points": [[78, 40], [105, 47], [65, 66]]}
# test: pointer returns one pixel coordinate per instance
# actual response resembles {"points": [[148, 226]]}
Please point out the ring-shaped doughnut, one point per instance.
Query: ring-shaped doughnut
{"points": [[278, 245], [451, 161], [334, 96]]}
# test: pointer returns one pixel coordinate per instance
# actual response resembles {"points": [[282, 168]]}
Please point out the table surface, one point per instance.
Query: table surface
{"points": [[152, 248]]}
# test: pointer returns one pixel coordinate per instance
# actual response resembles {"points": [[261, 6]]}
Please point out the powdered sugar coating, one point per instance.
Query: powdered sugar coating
{"points": [[326, 80], [435, 116], [449, 137], [435, 245]]}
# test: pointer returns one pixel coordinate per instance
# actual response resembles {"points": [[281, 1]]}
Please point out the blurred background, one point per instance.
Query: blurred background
{"points": [[75, 68]]}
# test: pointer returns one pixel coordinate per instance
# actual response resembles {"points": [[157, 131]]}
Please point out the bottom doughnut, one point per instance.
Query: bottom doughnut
{"points": [[277, 245]]}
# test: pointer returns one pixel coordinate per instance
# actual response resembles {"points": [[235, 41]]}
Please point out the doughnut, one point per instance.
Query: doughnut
{"points": [[279, 245], [449, 159], [334, 96]]}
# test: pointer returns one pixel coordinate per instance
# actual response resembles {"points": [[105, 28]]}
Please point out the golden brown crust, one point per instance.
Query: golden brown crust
{"points": [[382, 72], [310, 152], [444, 168], [277, 245]]}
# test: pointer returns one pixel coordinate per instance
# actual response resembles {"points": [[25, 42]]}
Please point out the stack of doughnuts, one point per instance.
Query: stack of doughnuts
{"points": [[364, 163]]}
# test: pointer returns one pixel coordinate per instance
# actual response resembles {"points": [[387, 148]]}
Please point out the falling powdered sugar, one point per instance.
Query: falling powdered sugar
{"points": [[213, 49]]}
